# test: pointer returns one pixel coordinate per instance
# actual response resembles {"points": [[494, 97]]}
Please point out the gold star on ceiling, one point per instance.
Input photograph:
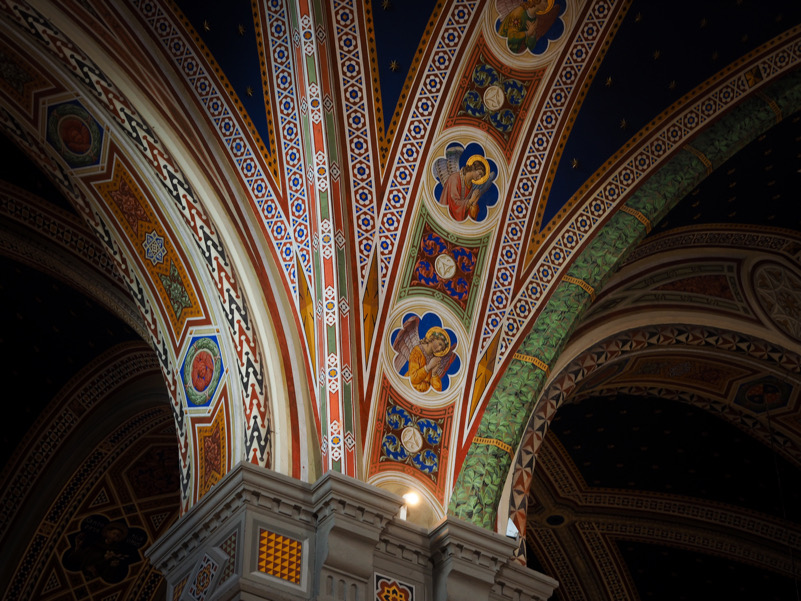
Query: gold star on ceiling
{"points": [[241, 29], [386, 4], [393, 65], [249, 91], [206, 25]]}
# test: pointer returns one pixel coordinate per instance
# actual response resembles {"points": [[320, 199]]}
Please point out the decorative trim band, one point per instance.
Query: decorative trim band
{"points": [[639, 216], [701, 157], [495, 443], [581, 284], [772, 104], [534, 361]]}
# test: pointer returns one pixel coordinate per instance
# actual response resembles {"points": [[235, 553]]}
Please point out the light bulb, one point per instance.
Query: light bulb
{"points": [[411, 498]]}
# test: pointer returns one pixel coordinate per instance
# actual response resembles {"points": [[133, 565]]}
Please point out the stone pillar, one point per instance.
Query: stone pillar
{"points": [[258, 535]]}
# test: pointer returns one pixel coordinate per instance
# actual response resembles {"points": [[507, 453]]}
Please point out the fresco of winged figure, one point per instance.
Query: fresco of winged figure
{"points": [[463, 181], [425, 361]]}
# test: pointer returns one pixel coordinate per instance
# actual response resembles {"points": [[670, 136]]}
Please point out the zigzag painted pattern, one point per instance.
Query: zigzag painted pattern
{"points": [[233, 304]]}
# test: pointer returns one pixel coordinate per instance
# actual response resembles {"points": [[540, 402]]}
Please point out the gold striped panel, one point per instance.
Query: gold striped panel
{"points": [[534, 361], [495, 443]]}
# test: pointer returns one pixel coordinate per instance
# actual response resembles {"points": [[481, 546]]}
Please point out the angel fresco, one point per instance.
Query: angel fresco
{"points": [[104, 549], [425, 352], [525, 24], [466, 182]]}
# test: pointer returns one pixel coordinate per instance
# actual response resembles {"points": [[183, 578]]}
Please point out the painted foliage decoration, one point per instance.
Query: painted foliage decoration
{"points": [[446, 267], [426, 352], [466, 182], [411, 439], [494, 98], [529, 25]]}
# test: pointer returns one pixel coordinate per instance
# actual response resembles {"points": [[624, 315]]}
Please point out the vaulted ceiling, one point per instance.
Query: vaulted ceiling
{"points": [[663, 445]]}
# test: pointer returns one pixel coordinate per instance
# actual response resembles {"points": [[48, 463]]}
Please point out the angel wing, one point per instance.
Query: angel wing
{"points": [[405, 341], [506, 6], [445, 167]]}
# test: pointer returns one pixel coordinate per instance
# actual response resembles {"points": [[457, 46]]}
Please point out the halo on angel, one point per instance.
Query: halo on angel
{"points": [[466, 181], [425, 352]]}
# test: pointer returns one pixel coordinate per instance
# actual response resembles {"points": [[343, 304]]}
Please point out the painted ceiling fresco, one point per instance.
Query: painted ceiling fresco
{"points": [[509, 98], [361, 236]]}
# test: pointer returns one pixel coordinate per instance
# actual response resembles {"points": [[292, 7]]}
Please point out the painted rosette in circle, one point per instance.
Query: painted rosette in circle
{"points": [[202, 371]]}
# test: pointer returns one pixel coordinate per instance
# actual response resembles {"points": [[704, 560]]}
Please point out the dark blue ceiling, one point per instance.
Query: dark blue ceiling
{"points": [[659, 53], [227, 30], [663, 446], [761, 185]]}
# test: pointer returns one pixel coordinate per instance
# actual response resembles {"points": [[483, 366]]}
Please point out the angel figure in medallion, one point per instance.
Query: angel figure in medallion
{"points": [[466, 182], [523, 24], [429, 360]]}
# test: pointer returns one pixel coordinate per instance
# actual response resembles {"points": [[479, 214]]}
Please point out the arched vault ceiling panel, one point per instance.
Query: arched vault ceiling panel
{"points": [[401, 32], [765, 378], [717, 274], [640, 443], [691, 53], [231, 32], [338, 211], [381, 258], [710, 275], [126, 185], [668, 480], [77, 331]]}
